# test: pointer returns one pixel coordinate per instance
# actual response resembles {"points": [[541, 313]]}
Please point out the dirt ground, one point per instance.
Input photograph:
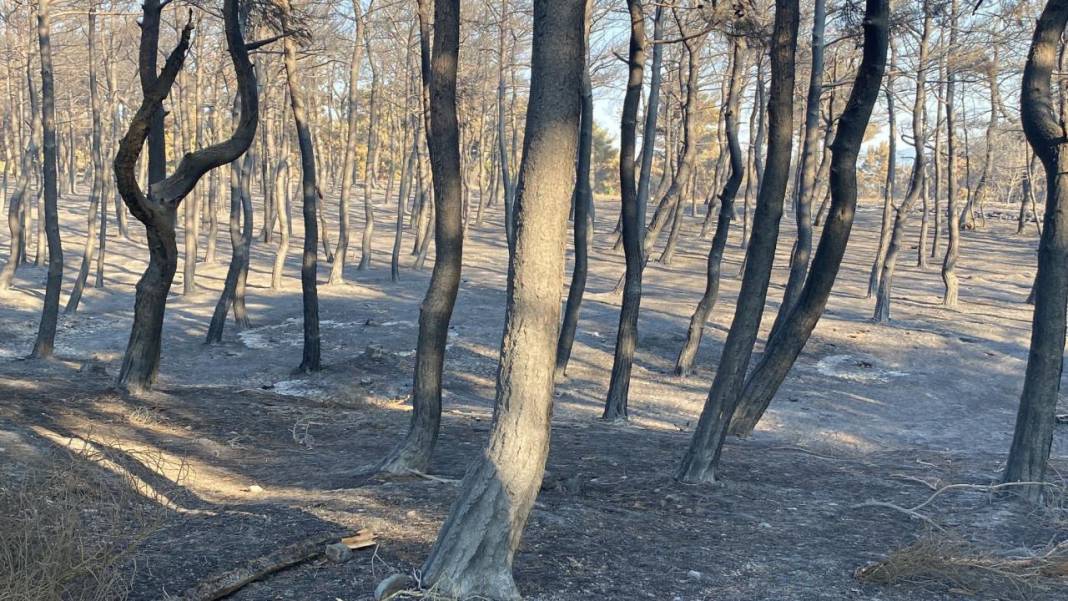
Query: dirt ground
{"points": [[253, 457]]}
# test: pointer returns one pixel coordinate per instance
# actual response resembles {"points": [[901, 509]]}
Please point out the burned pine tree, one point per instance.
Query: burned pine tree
{"points": [[699, 462], [478, 541], [1045, 133], [435, 312], [157, 207], [781, 353]]}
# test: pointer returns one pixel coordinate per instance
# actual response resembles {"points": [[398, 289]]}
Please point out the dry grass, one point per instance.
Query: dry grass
{"points": [[67, 530], [940, 558]]}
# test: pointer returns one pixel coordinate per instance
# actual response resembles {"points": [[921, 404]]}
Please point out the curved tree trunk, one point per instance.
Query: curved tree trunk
{"points": [[917, 183], [477, 543], [949, 264], [337, 270], [890, 186], [97, 156], [633, 220], [581, 202], [435, 312], [780, 356], [369, 166], [701, 458], [44, 346], [802, 251], [684, 362], [311, 358], [158, 209], [1035, 420]]}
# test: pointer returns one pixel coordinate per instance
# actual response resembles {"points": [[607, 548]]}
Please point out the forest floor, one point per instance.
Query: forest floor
{"points": [[252, 457]]}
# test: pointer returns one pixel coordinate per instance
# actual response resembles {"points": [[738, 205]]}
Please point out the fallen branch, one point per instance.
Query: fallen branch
{"points": [[909, 512], [230, 581]]}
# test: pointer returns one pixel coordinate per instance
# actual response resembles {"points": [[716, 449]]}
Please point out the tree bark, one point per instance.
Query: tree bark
{"points": [[890, 187], [1033, 435], [918, 181], [688, 353], [475, 548], [157, 209], [699, 462], [337, 270], [311, 359], [802, 251], [435, 313], [581, 201], [44, 346], [633, 220], [781, 354], [97, 156], [949, 264]]}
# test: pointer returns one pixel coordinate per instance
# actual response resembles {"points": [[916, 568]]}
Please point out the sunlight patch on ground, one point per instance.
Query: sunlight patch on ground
{"points": [[855, 369]]}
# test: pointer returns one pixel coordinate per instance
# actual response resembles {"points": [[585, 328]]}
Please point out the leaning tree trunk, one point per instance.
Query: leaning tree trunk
{"points": [[917, 183], [949, 264], [1035, 420], [633, 220], [158, 209], [685, 361], [477, 543], [96, 191], [369, 167], [311, 359], [240, 245], [781, 353], [435, 312], [802, 250], [337, 270], [44, 346], [699, 462], [890, 186], [581, 202]]}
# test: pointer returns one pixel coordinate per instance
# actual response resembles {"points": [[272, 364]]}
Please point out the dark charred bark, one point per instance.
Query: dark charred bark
{"points": [[917, 183], [633, 221], [474, 551], [684, 362], [311, 359], [581, 202], [779, 357], [435, 313], [44, 346], [157, 209], [1035, 420], [700, 461]]}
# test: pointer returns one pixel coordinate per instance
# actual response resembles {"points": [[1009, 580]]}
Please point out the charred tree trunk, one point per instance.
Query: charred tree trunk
{"points": [[97, 155], [802, 251], [581, 201], [311, 360], [684, 362], [44, 346], [890, 186], [477, 543], [917, 183], [157, 209], [443, 142], [1035, 420], [700, 461], [337, 270], [781, 354], [633, 220], [949, 264]]}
